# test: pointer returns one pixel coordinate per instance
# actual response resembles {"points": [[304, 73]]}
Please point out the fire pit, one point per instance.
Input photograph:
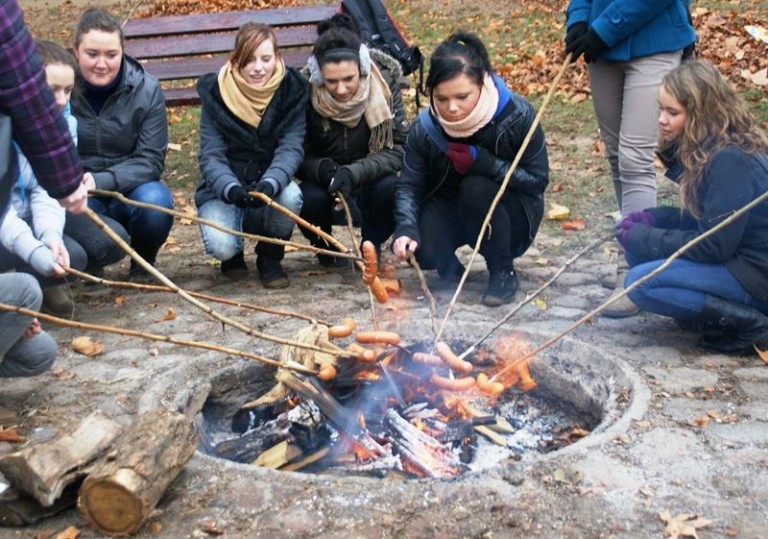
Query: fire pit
{"points": [[403, 417]]}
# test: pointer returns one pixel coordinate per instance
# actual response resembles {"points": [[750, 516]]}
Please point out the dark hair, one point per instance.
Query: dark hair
{"points": [[338, 40], [54, 54], [249, 38], [461, 52], [97, 19]]}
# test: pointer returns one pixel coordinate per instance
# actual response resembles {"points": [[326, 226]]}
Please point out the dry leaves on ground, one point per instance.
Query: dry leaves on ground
{"points": [[87, 346], [683, 525], [11, 435]]}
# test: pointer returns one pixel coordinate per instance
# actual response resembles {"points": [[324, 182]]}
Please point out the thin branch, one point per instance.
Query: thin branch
{"points": [[287, 243], [425, 288], [627, 290], [152, 337], [502, 189], [189, 299], [530, 297], [200, 295]]}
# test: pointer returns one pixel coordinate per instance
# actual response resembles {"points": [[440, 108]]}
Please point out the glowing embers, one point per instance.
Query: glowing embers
{"points": [[409, 411]]}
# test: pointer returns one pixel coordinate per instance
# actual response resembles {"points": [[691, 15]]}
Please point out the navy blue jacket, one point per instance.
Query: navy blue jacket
{"points": [[635, 28]]}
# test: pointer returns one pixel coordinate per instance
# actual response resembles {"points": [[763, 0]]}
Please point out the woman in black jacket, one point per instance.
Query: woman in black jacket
{"points": [[714, 148], [356, 128], [252, 126], [456, 156]]}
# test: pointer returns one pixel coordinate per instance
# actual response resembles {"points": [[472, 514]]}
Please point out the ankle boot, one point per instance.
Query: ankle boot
{"points": [[57, 300], [268, 258], [136, 273], [501, 289], [235, 268], [742, 327], [623, 308]]}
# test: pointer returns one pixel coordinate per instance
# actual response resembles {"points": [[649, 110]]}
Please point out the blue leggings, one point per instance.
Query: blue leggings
{"points": [[680, 290]]}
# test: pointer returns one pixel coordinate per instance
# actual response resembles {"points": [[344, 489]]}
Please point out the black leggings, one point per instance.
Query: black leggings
{"points": [[376, 203], [450, 220]]}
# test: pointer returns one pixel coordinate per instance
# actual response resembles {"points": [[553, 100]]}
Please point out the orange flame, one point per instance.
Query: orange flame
{"points": [[508, 349]]}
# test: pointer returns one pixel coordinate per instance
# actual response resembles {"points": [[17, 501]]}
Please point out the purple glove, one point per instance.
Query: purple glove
{"points": [[634, 218], [462, 156]]}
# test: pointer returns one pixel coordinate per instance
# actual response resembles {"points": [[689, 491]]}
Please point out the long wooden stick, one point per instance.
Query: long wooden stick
{"points": [[194, 301], [427, 292], [501, 190], [530, 297], [627, 290], [287, 243], [152, 337], [200, 295]]}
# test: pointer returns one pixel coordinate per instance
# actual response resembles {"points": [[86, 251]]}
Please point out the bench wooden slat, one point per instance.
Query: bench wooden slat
{"points": [[230, 20], [192, 68], [192, 45]]}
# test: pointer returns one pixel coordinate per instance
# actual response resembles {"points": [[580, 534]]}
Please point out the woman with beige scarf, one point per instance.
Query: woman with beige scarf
{"points": [[356, 128], [252, 126], [457, 154]]}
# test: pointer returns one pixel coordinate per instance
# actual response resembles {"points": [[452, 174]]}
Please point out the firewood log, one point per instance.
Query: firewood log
{"points": [[121, 492], [43, 470]]}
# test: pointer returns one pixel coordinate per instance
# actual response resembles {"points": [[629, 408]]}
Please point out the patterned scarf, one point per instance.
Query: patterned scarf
{"points": [[372, 101], [246, 101]]}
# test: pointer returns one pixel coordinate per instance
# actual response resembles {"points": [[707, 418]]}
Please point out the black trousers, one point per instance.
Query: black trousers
{"points": [[375, 201], [450, 220]]}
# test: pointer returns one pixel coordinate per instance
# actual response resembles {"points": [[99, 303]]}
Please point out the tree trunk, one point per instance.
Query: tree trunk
{"points": [[120, 493], [43, 470]]}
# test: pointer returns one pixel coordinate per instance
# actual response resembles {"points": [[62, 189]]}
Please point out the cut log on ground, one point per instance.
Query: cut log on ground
{"points": [[43, 470], [120, 493]]}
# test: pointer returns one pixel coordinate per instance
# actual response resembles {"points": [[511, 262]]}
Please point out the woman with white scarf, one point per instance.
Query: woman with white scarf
{"points": [[356, 128], [252, 126], [457, 154]]}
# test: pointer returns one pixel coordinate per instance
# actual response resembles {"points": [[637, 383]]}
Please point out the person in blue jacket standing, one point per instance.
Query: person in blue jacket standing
{"points": [[629, 45]]}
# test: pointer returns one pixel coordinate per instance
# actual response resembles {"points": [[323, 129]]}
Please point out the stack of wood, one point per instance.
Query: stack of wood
{"points": [[116, 476]]}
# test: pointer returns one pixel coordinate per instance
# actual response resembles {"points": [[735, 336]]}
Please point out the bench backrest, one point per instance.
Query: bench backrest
{"points": [[184, 47]]}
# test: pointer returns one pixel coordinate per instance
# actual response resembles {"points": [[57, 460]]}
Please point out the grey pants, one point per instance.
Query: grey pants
{"points": [[625, 99], [19, 356]]}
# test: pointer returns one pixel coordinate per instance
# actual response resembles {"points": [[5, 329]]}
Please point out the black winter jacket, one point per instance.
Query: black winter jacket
{"points": [[328, 139], [232, 151], [732, 179], [428, 170]]}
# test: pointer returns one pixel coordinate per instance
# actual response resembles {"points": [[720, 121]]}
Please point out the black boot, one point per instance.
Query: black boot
{"points": [[501, 288], [452, 270], [742, 327], [136, 273], [235, 268], [268, 257]]}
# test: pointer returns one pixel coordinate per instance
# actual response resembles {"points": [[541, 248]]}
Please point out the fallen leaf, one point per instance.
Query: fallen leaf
{"points": [[120, 300], [759, 77], [69, 533], [647, 492], [174, 147], [210, 527], [557, 187], [557, 212], [11, 435], [61, 374], [763, 354], [87, 346], [170, 314], [683, 525], [310, 273], [155, 527], [573, 224], [154, 351], [540, 303]]}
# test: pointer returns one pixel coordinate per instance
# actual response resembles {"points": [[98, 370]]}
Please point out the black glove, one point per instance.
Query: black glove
{"points": [[339, 216], [238, 196], [265, 187], [589, 44], [574, 33], [326, 170], [484, 165], [342, 181]]}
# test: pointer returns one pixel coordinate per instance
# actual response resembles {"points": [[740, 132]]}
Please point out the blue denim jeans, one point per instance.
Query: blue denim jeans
{"points": [[680, 290], [263, 221], [148, 229]]}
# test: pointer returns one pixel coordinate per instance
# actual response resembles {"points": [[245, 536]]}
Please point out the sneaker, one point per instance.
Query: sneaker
{"points": [[501, 288], [452, 272], [623, 308], [57, 300], [271, 273], [235, 268]]}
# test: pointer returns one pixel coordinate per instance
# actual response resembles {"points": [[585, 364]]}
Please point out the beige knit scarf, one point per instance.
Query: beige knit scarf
{"points": [[371, 101], [246, 101], [480, 115]]}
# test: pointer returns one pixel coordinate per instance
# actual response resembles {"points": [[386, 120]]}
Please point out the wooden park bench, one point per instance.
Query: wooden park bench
{"points": [[181, 48]]}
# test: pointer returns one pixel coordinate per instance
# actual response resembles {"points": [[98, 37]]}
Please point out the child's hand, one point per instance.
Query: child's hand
{"points": [[33, 329]]}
